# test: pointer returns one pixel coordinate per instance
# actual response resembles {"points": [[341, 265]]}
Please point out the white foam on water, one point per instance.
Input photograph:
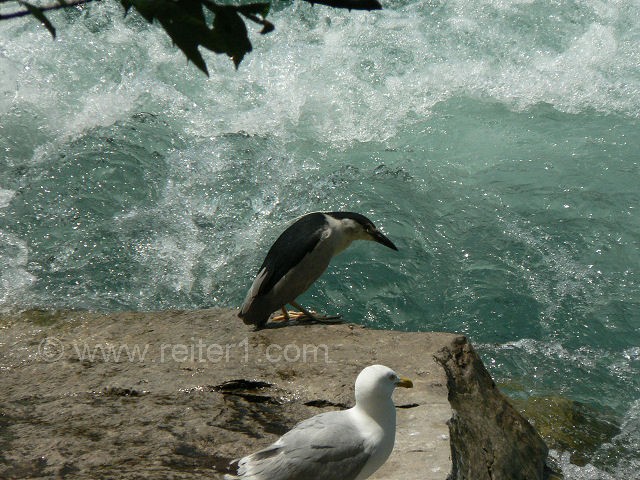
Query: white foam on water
{"points": [[332, 76], [8, 82], [586, 358], [323, 83], [15, 280], [564, 277], [575, 472], [625, 447], [5, 197]]}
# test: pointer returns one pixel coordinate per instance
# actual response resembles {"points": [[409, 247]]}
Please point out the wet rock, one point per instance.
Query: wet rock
{"points": [[489, 438], [570, 426]]}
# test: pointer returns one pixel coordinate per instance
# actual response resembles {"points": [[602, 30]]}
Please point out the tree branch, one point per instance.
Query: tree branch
{"points": [[185, 23], [24, 13]]}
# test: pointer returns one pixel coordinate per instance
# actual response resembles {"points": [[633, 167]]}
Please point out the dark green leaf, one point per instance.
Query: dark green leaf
{"points": [[229, 34], [182, 20], [185, 22], [126, 4], [267, 27], [36, 12], [186, 25], [349, 4], [261, 9]]}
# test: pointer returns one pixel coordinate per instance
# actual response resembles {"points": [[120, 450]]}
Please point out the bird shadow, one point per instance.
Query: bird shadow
{"points": [[326, 320]]}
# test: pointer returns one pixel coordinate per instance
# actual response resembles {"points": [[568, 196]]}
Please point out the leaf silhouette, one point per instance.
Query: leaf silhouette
{"points": [[230, 33], [37, 12], [186, 23], [349, 4]]}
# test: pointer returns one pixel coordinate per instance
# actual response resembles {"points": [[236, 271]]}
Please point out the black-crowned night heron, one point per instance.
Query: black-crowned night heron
{"points": [[298, 257], [340, 445]]}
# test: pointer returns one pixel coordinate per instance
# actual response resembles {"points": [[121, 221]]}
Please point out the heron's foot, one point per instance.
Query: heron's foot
{"points": [[288, 315], [314, 317], [293, 317]]}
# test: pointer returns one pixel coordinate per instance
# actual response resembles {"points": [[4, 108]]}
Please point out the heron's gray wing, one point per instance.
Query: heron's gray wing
{"points": [[326, 446], [290, 248]]}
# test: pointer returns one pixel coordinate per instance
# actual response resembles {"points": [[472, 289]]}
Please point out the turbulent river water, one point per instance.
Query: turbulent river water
{"points": [[496, 142]]}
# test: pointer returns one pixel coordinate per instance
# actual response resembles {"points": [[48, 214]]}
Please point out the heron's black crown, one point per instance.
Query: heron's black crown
{"points": [[356, 217]]}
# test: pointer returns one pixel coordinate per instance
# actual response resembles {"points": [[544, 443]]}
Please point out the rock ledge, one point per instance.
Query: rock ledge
{"points": [[179, 394]]}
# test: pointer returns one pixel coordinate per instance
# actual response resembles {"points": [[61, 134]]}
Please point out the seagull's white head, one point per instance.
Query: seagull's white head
{"points": [[376, 383]]}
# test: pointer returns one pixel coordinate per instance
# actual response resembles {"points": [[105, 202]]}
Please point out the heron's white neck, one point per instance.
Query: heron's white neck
{"points": [[342, 233]]}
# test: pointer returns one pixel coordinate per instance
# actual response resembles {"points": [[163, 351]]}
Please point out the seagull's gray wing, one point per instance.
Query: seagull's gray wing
{"points": [[326, 446], [290, 248]]}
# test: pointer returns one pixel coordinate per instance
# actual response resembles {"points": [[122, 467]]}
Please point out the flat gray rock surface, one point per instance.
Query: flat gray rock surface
{"points": [[179, 394]]}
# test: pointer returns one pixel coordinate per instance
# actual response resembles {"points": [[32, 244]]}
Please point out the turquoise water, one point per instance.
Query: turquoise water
{"points": [[497, 143]]}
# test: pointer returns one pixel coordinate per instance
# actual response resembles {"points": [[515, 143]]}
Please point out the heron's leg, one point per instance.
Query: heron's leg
{"points": [[291, 314], [315, 316], [305, 312], [282, 318]]}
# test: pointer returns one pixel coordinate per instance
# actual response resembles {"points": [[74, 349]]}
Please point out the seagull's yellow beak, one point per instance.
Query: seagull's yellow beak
{"points": [[405, 382]]}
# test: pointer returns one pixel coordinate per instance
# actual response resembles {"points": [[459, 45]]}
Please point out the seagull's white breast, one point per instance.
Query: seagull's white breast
{"points": [[380, 433]]}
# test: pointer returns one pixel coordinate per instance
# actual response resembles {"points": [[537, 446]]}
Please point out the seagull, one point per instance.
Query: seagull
{"points": [[339, 445], [298, 257]]}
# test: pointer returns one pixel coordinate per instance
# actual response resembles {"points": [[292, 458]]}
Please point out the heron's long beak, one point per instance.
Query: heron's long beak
{"points": [[405, 382], [380, 238]]}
